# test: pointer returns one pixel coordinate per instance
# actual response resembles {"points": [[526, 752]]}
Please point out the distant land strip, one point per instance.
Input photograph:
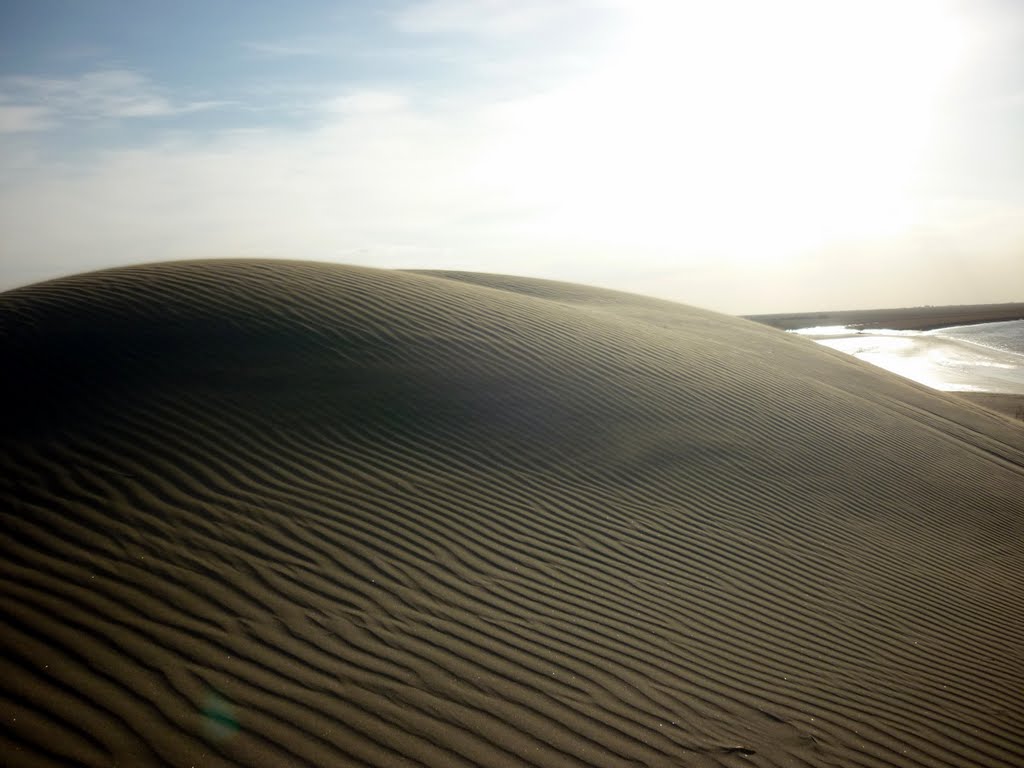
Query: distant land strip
{"points": [[904, 319]]}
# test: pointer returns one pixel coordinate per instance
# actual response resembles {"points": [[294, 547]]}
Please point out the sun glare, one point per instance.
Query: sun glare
{"points": [[743, 129]]}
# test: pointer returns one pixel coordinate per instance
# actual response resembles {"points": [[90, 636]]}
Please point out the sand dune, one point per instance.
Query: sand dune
{"points": [[1009, 405], [286, 513]]}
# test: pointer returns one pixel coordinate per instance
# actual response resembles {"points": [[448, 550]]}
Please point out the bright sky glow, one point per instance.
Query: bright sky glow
{"points": [[742, 155], [785, 123]]}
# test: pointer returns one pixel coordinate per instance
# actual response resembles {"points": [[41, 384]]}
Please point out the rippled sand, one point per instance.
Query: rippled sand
{"points": [[286, 513]]}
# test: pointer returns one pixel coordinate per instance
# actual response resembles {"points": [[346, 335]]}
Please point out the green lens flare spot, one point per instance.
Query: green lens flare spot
{"points": [[219, 720]]}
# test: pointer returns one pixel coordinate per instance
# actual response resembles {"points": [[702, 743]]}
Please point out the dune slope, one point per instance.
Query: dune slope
{"points": [[286, 513]]}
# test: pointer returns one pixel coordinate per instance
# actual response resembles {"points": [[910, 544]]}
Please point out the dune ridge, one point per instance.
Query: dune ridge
{"points": [[288, 513]]}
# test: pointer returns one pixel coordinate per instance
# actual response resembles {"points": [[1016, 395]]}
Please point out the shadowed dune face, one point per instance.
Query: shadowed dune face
{"points": [[285, 513]]}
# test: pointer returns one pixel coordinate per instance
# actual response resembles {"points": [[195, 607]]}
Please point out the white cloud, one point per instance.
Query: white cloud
{"points": [[376, 180], [42, 102], [641, 171], [381, 183], [365, 101], [22, 119]]}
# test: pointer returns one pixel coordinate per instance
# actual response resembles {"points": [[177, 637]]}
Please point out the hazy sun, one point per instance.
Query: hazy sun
{"points": [[740, 128]]}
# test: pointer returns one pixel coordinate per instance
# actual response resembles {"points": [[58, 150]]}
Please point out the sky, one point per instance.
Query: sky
{"points": [[741, 155]]}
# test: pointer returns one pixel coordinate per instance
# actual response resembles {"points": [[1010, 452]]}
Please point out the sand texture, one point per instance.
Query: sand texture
{"points": [[286, 514], [1008, 405]]}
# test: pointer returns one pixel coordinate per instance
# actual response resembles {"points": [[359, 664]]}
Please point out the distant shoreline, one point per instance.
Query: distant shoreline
{"points": [[902, 319], [916, 319]]}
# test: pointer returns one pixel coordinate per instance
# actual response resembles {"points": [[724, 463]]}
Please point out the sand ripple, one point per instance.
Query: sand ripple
{"points": [[285, 513]]}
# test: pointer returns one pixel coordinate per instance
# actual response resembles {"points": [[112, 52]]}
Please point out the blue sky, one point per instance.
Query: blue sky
{"points": [[739, 155]]}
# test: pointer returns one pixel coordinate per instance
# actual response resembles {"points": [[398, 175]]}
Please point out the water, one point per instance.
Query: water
{"points": [[988, 357], [1005, 337]]}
